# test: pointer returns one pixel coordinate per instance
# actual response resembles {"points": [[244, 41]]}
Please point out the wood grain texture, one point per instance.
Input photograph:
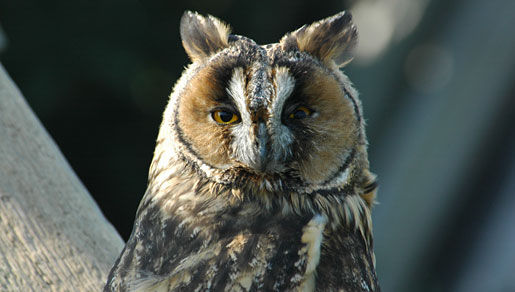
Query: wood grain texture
{"points": [[53, 236]]}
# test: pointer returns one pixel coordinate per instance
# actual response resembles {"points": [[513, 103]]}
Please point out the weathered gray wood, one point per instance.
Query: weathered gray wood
{"points": [[53, 237]]}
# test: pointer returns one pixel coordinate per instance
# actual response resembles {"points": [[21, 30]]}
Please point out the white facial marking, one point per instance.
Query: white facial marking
{"points": [[242, 146], [236, 91], [281, 135]]}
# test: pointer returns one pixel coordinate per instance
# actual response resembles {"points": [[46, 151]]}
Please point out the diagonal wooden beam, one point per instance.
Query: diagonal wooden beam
{"points": [[53, 236]]}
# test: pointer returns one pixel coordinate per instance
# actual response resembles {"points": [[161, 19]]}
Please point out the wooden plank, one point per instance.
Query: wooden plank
{"points": [[53, 236]]}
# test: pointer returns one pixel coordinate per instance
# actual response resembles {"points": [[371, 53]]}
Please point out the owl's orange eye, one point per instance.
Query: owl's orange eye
{"points": [[300, 113], [225, 117]]}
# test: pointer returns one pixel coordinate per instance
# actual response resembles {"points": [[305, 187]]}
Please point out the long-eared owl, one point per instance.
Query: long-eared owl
{"points": [[260, 178]]}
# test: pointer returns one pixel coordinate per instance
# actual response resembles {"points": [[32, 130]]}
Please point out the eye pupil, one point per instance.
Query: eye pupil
{"points": [[300, 113], [225, 116]]}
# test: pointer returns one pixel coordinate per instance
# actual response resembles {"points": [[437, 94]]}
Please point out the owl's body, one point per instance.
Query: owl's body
{"points": [[260, 177]]}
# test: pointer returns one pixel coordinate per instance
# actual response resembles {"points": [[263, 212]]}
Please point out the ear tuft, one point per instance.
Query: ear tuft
{"points": [[203, 36], [330, 39]]}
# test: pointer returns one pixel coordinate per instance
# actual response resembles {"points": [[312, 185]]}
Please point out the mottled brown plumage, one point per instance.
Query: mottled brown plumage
{"points": [[260, 177]]}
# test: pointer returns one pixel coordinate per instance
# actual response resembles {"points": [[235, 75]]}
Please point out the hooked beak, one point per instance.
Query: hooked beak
{"points": [[262, 138]]}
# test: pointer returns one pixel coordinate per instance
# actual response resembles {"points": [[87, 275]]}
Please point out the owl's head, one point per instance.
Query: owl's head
{"points": [[269, 116]]}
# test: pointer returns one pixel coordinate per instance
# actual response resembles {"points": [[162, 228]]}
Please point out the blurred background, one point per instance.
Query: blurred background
{"points": [[437, 81]]}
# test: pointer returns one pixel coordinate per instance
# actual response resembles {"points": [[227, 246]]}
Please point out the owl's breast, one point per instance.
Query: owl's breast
{"points": [[235, 250]]}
